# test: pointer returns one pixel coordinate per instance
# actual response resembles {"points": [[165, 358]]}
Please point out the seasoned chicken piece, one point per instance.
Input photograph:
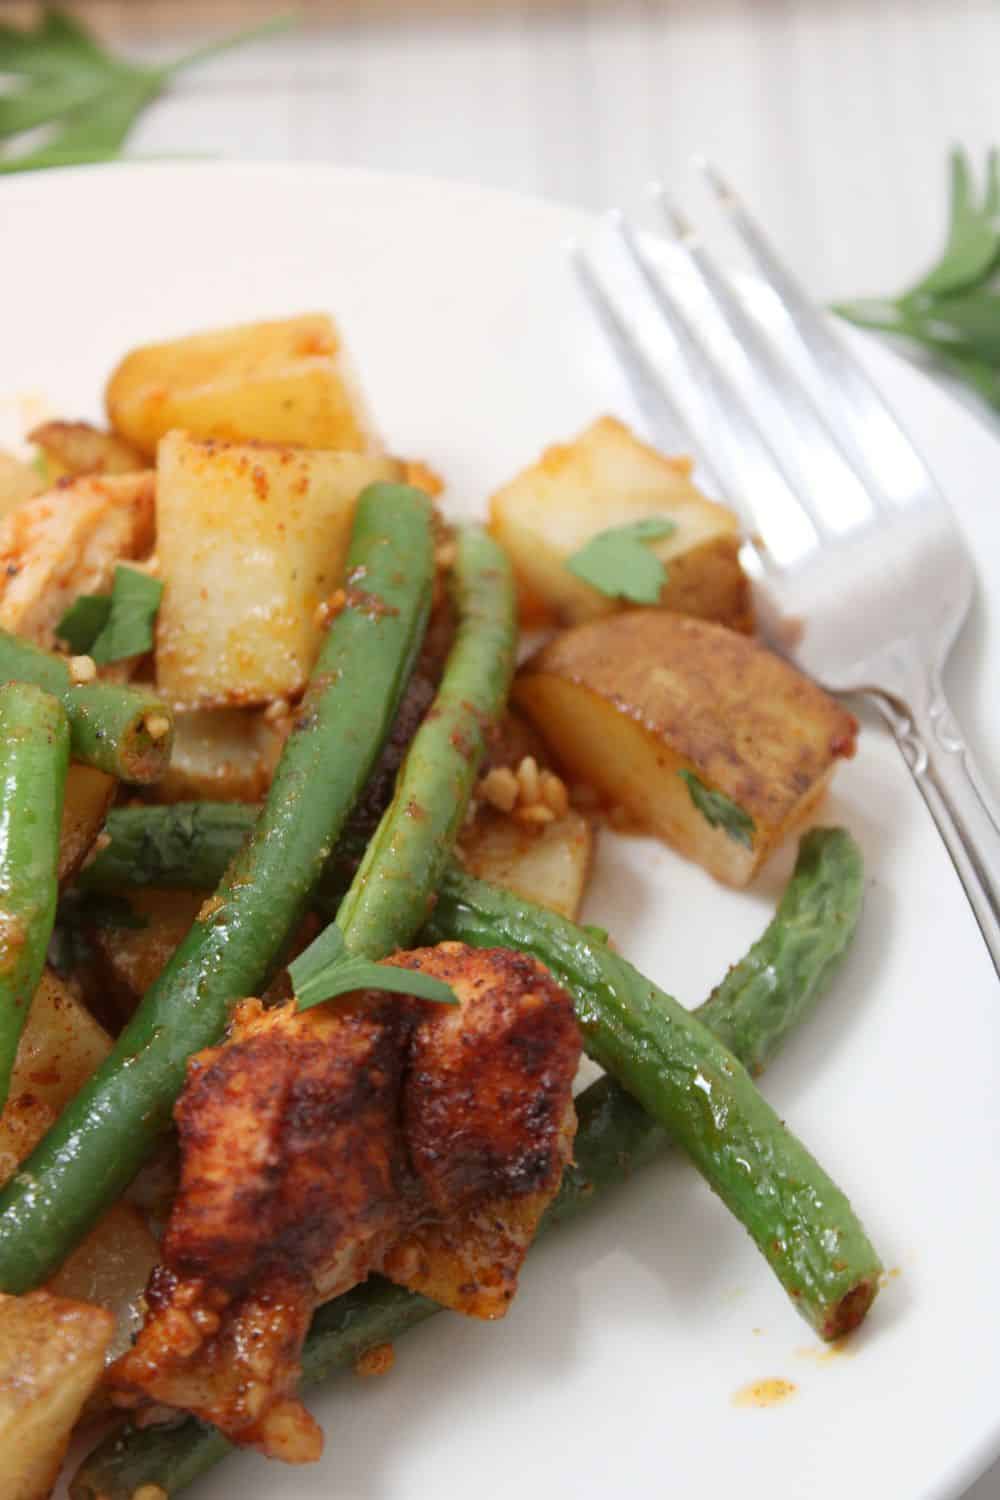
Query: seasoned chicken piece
{"points": [[373, 1133], [489, 1124], [290, 1187], [67, 542]]}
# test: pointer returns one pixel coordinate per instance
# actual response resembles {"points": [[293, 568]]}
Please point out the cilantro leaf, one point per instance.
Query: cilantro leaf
{"points": [[720, 811], [324, 971], [128, 631], [89, 98], [973, 231], [83, 622], [618, 564], [953, 312]]}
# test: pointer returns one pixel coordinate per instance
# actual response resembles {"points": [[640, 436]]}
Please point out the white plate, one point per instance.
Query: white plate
{"points": [[616, 1369]]}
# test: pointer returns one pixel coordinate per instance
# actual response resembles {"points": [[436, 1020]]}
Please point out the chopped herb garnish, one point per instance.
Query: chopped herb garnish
{"points": [[953, 312], [83, 622], [618, 563], [324, 971], [61, 78], [128, 631], [719, 810]]}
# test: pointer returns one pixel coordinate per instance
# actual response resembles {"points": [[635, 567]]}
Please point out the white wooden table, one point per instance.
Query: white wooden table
{"points": [[833, 116]]}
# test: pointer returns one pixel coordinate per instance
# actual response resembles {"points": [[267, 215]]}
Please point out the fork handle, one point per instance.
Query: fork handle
{"points": [[943, 767]]}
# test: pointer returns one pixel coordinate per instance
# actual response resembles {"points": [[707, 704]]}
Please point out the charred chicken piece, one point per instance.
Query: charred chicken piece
{"points": [[290, 1187], [374, 1133], [489, 1124]]}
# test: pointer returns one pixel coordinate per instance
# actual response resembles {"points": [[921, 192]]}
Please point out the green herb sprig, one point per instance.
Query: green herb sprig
{"points": [[324, 971], [953, 312], [620, 565], [111, 627], [720, 811], [88, 97]]}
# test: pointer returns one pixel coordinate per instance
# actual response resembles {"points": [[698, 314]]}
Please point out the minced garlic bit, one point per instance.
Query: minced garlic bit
{"points": [[150, 1492], [554, 794], [529, 782], [376, 1361], [445, 554], [279, 709], [330, 608], [82, 669], [530, 796], [499, 788], [157, 726], [534, 817]]}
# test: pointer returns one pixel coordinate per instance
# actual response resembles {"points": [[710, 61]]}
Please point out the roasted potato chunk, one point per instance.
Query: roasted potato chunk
{"points": [[60, 1047], [280, 382], [629, 702], [51, 1358], [220, 755], [251, 541], [110, 1268], [78, 448], [605, 478], [18, 482], [131, 956], [89, 794], [67, 542], [548, 864]]}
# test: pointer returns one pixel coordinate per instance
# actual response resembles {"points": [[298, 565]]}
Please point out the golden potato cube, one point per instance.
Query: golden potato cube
{"points": [[282, 382], [131, 957], [67, 542], [51, 1358], [608, 478], [630, 701], [110, 1268], [19, 481], [89, 795], [549, 864], [220, 755], [78, 448], [251, 540], [60, 1047]]}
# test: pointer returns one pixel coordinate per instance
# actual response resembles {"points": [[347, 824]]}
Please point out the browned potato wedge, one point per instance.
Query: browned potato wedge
{"points": [[51, 1358], [629, 701], [220, 755], [281, 382], [78, 448], [251, 541], [60, 1047], [607, 478], [131, 957], [549, 864], [67, 542], [18, 482], [110, 1268], [89, 794]]}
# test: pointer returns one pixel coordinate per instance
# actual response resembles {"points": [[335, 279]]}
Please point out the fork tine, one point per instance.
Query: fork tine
{"points": [[762, 470], [824, 465], [865, 425], [667, 421], [665, 418]]}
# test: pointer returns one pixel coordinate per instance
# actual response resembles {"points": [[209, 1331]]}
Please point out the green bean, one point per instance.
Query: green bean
{"points": [[34, 755], [180, 845], [126, 731], [395, 884], [615, 1138], [687, 1079], [96, 1146]]}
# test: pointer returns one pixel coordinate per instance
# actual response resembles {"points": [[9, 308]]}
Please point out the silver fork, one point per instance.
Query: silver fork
{"points": [[864, 579]]}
